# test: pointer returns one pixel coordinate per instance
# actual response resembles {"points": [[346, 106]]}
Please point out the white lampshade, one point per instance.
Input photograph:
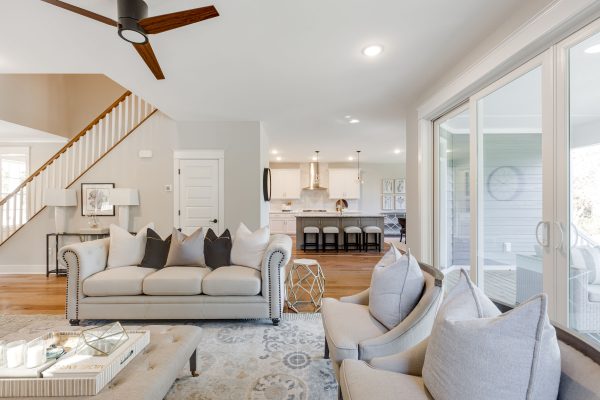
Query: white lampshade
{"points": [[123, 197], [60, 197]]}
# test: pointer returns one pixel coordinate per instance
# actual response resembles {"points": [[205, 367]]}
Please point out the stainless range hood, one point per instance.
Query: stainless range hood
{"points": [[313, 176]]}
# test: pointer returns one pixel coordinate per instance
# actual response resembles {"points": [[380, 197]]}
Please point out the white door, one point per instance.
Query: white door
{"points": [[198, 195]]}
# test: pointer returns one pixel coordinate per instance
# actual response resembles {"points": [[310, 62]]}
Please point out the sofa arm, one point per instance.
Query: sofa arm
{"points": [[409, 362], [82, 260], [277, 255], [361, 298]]}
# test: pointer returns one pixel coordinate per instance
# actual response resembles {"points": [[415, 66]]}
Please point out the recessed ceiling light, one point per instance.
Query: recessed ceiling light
{"points": [[350, 158], [354, 121], [348, 116], [397, 151], [593, 49], [278, 158], [274, 151], [373, 50]]}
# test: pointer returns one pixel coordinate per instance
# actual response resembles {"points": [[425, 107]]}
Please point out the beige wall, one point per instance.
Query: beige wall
{"points": [[161, 135], [54, 103]]}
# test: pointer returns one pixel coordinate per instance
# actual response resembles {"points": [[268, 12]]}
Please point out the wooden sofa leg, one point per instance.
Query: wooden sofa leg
{"points": [[275, 321], [326, 355], [74, 322]]}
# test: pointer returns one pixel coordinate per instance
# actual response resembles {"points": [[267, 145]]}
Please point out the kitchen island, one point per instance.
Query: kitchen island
{"points": [[323, 219]]}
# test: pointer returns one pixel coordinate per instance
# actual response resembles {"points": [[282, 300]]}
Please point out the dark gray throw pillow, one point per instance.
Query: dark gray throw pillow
{"points": [[217, 249], [157, 250]]}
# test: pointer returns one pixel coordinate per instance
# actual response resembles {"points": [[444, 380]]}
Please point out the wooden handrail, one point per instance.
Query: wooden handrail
{"points": [[66, 146]]}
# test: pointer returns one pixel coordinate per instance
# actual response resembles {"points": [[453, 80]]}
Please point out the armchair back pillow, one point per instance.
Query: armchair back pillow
{"points": [[397, 284], [249, 247], [186, 250], [126, 249], [474, 352]]}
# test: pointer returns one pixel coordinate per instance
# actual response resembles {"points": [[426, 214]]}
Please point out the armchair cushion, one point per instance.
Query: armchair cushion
{"points": [[470, 339], [396, 287], [359, 380], [175, 281], [232, 281], [123, 281], [346, 326]]}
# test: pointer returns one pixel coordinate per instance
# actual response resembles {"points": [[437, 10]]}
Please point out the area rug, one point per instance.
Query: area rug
{"points": [[238, 359]]}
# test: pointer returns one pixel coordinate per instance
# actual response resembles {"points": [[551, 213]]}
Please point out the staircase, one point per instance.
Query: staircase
{"points": [[80, 154]]}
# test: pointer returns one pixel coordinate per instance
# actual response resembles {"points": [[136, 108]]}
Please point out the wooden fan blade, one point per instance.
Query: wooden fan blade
{"points": [[81, 11], [166, 22], [145, 51]]}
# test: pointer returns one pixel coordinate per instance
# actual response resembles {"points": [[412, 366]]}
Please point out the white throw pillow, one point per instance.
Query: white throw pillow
{"points": [[126, 249], [396, 287], [249, 247], [474, 352]]}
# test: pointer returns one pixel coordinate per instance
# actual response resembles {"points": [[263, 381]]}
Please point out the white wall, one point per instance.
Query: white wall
{"points": [[240, 140]]}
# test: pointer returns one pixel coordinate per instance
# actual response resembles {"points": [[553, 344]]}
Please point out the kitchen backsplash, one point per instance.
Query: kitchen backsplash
{"points": [[312, 200]]}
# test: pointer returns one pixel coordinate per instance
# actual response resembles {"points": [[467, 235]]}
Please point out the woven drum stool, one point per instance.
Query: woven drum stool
{"points": [[305, 284]]}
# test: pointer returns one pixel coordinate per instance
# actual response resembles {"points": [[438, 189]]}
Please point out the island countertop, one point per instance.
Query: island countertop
{"points": [[349, 214]]}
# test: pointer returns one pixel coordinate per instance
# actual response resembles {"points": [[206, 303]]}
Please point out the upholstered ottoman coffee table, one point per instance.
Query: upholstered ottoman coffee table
{"points": [[152, 373]]}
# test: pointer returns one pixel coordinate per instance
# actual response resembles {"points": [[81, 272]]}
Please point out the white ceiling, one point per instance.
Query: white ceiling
{"points": [[295, 65], [13, 133]]}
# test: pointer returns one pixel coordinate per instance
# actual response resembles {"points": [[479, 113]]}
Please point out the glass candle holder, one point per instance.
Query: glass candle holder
{"points": [[35, 353], [14, 353]]}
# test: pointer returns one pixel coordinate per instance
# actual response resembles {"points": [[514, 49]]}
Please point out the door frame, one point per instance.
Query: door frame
{"points": [[181, 155]]}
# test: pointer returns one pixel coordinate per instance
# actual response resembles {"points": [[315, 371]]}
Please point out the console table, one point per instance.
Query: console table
{"points": [[83, 236]]}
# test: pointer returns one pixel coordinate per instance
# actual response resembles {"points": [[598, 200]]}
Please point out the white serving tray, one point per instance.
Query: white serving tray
{"points": [[88, 381]]}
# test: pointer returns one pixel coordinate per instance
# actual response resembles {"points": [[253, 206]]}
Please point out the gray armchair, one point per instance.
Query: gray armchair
{"points": [[352, 333]]}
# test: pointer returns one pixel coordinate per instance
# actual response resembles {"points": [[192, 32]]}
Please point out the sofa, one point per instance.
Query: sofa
{"points": [[398, 377], [170, 293]]}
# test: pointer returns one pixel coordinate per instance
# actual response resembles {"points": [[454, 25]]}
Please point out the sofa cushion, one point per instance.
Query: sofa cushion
{"points": [[360, 381], [346, 326], [249, 247], [175, 281], [126, 249], [157, 250], [124, 281], [217, 249], [396, 286], [232, 281], [473, 352], [594, 293], [186, 250]]}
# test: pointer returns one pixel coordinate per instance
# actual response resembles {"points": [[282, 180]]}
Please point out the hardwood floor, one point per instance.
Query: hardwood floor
{"points": [[345, 274]]}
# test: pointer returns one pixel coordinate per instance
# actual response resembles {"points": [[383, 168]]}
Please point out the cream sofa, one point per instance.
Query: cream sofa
{"points": [[398, 377], [233, 292]]}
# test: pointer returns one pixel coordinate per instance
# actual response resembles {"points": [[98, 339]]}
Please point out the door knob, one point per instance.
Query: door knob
{"points": [[214, 221]]}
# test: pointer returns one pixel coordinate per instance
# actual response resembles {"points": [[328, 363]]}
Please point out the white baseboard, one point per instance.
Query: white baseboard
{"points": [[22, 269]]}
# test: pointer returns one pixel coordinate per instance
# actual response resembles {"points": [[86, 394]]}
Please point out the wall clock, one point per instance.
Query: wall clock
{"points": [[267, 184], [504, 183]]}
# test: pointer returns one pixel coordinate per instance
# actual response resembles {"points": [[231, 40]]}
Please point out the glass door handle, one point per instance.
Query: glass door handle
{"points": [[559, 244], [544, 242]]}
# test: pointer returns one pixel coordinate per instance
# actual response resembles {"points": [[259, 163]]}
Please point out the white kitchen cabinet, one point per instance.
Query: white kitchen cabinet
{"points": [[282, 223], [285, 184], [343, 184]]}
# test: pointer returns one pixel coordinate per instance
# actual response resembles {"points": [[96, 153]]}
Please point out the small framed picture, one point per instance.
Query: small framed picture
{"points": [[387, 202], [400, 202], [399, 186], [387, 186], [94, 199]]}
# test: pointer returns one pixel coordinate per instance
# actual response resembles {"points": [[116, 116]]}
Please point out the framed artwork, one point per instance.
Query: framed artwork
{"points": [[400, 202], [387, 202], [399, 186], [94, 199], [387, 186]]}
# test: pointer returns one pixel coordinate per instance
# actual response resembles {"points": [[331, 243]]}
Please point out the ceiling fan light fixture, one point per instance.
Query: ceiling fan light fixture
{"points": [[131, 31]]}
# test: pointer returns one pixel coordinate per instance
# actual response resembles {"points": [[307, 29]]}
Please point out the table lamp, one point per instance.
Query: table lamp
{"points": [[60, 199], [124, 197]]}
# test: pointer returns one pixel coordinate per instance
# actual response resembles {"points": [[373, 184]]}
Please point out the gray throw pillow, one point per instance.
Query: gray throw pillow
{"points": [[186, 250], [396, 287], [474, 352]]}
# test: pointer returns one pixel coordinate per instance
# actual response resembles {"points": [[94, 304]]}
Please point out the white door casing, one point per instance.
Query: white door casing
{"points": [[199, 190]]}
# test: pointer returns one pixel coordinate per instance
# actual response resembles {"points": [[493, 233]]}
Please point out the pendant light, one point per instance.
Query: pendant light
{"points": [[358, 177]]}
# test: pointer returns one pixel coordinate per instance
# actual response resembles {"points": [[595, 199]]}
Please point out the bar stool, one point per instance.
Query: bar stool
{"points": [[311, 230], [375, 231], [331, 230], [357, 233]]}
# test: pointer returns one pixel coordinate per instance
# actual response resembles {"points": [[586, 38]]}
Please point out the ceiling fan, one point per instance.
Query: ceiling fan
{"points": [[134, 25]]}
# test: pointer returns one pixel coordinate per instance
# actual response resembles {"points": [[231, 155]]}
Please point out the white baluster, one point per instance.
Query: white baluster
{"points": [[139, 107], [113, 126], [126, 117], [14, 212]]}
